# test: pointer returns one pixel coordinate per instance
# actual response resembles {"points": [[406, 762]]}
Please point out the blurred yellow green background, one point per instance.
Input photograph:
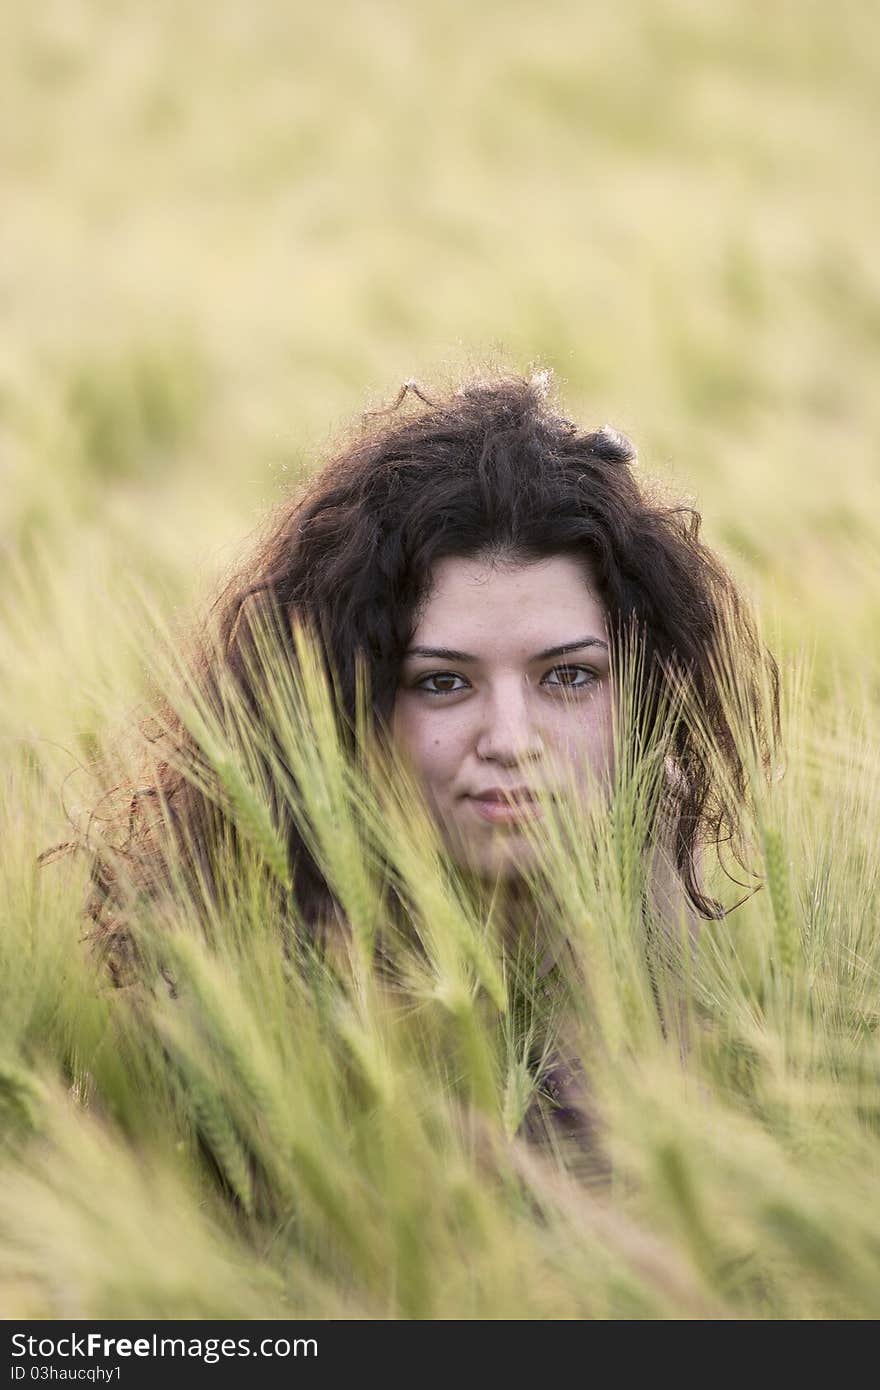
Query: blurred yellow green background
{"points": [[228, 227]]}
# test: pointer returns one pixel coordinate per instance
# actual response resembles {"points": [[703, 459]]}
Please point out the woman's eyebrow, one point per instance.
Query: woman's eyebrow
{"points": [[449, 653]]}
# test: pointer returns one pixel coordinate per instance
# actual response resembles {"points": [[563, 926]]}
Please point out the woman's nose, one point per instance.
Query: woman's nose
{"points": [[508, 733]]}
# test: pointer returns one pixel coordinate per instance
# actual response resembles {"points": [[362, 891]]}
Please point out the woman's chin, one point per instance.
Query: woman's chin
{"points": [[500, 859]]}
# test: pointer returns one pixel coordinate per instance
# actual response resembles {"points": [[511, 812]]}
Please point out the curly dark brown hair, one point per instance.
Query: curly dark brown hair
{"points": [[490, 468]]}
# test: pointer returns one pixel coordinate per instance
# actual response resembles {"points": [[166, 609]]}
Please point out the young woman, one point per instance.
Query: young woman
{"points": [[485, 559]]}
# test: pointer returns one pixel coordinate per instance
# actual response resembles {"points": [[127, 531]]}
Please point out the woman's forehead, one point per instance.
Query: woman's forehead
{"points": [[546, 602]]}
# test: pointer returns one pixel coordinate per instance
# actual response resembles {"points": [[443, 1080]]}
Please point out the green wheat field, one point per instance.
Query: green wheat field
{"points": [[227, 229]]}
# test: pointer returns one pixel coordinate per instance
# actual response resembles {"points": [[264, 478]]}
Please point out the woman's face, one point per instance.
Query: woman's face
{"points": [[505, 690]]}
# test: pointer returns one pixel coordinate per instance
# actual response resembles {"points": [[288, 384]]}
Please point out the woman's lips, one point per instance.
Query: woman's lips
{"points": [[505, 812]]}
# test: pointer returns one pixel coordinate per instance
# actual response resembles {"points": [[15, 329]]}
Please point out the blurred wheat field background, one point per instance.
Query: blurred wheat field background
{"points": [[226, 230]]}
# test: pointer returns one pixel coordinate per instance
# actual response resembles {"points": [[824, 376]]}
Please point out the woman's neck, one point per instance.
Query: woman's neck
{"points": [[520, 921]]}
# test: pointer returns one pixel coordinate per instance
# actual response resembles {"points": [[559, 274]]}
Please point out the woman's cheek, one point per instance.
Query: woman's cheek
{"points": [[435, 751], [586, 742]]}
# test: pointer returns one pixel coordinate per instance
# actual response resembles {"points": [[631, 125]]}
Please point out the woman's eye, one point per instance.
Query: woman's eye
{"points": [[574, 672], [572, 678], [440, 676]]}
